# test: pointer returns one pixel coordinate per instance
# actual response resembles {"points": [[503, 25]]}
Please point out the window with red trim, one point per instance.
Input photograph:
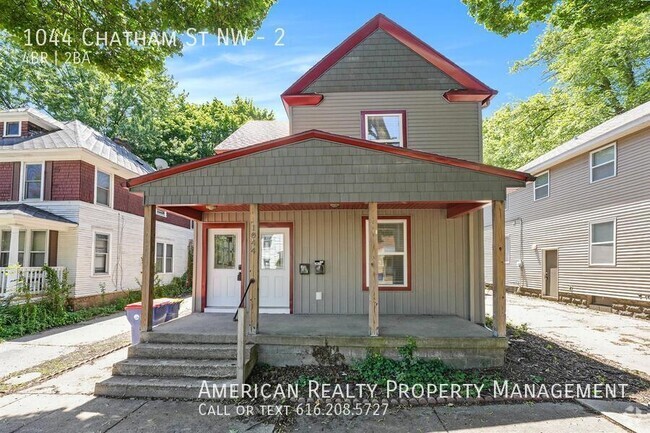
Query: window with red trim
{"points": [[394, 253], [387, 127]]}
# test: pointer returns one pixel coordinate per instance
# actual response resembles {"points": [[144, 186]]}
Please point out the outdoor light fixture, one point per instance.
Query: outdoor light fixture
{"points": [[210, 207], [334, 205]]}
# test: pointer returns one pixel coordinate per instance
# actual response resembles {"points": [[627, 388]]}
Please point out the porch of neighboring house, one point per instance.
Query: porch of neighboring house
{"points": [[29, 239]]}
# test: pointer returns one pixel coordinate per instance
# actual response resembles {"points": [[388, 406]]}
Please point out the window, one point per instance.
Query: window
{"points": [[164, 258], [102, 251], [33, 186], [602, 247], [12, 129], [603, 163], [103, 188], [542, 185], [272, 253], [38, 248], [385, 127], [507, 249], [161, 213], [224, 251], [5, 245], [393, 253]]}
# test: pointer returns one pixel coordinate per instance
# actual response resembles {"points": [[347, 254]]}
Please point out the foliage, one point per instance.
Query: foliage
{"points": [[150, 114], [411, 370], [66, 21], [516, 16], [176, 288]]}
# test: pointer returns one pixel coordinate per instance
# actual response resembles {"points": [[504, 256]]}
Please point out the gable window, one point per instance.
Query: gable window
{"points": [[5, 245], [384, 127], [602, 163], [33, 185], [602, 245], [12, 129], [393, 265], [542, 184], [507, 249], [102, 251], [164, 258], [103, 188]]}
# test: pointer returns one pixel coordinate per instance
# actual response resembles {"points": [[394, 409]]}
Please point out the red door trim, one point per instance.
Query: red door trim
{"points": [[285, 225]]}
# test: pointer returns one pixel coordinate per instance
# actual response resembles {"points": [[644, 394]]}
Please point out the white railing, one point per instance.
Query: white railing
{"points": [[33, 277]]}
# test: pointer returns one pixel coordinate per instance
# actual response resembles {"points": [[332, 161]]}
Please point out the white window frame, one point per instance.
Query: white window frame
{"points": [[110, 187], [388, 142], [108, 254], [507, 249], [165, 257], [23, 179], [591, 243], [161, 213], [592, 167], [28, 248], [547, 184], [405, 253], [4, 132]]}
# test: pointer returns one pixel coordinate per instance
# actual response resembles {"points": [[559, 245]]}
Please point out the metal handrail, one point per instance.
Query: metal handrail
{"points": [[243, 298]]}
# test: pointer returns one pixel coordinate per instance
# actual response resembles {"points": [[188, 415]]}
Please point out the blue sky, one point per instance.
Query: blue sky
{"points": [[262, 71]]}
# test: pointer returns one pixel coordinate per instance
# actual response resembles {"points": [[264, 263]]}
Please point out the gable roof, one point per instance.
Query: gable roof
{"points": [[341, 139], [605, 133], [472, 87], [253, 132], [75, 134]]}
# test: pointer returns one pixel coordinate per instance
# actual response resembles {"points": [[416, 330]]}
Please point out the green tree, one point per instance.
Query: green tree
{"points": [[68, 26]]}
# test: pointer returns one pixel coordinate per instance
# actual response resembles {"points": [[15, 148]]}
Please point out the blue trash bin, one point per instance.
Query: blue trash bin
{"points": [[173, 307], [134, 313]]}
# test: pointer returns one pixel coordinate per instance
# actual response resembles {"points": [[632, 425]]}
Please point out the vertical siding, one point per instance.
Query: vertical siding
{"points": [[562, 221], [434, 125], [439, 262]]}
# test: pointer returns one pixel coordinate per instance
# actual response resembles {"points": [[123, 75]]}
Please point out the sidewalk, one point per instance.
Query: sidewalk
{"points": [[622, 341]]}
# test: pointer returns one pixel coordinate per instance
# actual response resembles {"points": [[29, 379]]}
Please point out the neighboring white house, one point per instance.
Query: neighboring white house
{"points": [[581, 232], [62, 203]]}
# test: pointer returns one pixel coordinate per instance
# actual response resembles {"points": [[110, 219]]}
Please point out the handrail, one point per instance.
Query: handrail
{"points": [[243, 298]]}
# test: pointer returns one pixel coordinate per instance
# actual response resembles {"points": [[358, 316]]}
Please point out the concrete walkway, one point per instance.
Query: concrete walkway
{"points": [[622, 341]]}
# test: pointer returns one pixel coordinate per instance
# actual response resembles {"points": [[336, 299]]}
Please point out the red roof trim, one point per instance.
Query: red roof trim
{"points": [[341, 139], [462, 95], [380, 21]]}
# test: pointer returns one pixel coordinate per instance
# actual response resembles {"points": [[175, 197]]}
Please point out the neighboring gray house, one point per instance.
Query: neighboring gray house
{"points": [[581, 232]]}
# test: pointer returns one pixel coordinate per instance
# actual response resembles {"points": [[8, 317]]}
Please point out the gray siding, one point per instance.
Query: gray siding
{"points": [[439, 262], [562, 221], [434, 125], [381, 62], [318, 171]]}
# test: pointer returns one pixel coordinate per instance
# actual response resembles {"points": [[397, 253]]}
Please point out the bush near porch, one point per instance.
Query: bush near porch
{"points": [[23, 314]]}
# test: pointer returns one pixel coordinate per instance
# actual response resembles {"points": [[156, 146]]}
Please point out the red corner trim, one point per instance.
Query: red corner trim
{"points": [[301, 99], [380, 21], [462, 95], [341, 139]]}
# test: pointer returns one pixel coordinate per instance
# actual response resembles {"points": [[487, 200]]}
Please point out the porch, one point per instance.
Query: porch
{"points": [[32, 277]]}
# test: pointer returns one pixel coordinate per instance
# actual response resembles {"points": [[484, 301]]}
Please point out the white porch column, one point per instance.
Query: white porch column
{"points": [[12, 277]]}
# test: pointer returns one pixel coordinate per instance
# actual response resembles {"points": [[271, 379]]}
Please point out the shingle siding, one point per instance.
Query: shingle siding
{"points": [[562, 221], [6, 181], [319, 171], [381, 63], [433, 124]]}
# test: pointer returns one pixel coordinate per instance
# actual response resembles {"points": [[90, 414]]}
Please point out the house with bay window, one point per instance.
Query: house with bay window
{"points": [[63, 203], [581, 232]]}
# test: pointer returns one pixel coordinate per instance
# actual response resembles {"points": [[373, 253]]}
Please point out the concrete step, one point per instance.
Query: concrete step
{"points": [[186, 388], [168, 368], [186, 351], [179, 338]]}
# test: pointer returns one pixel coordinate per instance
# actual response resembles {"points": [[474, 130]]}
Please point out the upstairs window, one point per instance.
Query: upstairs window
{"points": [[384, 127], [103, 188], [33, 185], [542, 184], [161, 213], [12, 129], [603, 163]]}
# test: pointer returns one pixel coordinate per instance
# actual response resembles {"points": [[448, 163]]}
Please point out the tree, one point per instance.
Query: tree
{"points": [[516, 16], [122, 37]]}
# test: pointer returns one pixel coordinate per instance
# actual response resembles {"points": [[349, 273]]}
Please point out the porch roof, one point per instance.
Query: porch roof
{"points": [[23, 214], [318, 167]]}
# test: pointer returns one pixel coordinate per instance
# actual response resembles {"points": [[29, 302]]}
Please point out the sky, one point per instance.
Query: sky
{"points": [[265, 67]]}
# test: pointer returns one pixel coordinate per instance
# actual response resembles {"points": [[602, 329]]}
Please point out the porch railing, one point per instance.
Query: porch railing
{"points": [[32, 277]]}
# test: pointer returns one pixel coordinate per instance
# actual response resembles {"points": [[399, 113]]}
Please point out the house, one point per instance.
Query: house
{"points": [[357, 225], [63, 203], [581, 233]]}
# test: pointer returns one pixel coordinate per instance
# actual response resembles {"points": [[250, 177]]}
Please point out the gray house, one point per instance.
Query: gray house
{"points": [[358, 224], [581, 232]]}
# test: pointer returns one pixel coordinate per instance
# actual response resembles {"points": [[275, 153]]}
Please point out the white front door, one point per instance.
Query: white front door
{"points": [[275, 270], [223, 263]]}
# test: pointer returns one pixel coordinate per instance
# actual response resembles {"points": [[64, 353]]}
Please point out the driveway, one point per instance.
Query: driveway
{"points": [[618, 340]]}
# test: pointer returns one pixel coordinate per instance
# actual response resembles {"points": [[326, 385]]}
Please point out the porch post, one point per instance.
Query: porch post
{"points": [[148, 267], [12, 276], [254, 268], [499, 267], [373, 284]]}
